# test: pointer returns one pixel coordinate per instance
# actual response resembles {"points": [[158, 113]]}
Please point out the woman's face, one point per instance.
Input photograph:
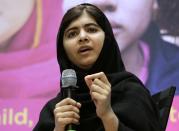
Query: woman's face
{"points": [[13, 15], [83, 41], [129, 18]]}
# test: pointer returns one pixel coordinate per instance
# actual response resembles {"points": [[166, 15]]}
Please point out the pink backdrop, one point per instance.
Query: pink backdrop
{"points": [[29, 77]]}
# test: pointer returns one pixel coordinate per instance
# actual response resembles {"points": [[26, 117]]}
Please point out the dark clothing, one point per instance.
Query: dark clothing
{"points": [[164, 62], [130, 100]]}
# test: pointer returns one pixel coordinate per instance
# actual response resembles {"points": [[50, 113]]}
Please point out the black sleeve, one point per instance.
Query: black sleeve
{"points": [[134, 107], [46, 120]]}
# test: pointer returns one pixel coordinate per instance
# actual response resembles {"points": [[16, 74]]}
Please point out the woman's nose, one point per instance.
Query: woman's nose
{"points": [[83, 36]]}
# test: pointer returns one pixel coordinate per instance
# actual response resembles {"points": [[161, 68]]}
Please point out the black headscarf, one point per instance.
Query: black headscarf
{"points": [[109, 60]]}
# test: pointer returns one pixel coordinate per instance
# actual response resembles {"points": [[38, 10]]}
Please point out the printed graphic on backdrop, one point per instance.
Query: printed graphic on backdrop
{"points": [[146, 32]]}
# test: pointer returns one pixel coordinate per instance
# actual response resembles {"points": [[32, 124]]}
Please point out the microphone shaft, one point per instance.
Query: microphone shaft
{"points": [[69, 92]]}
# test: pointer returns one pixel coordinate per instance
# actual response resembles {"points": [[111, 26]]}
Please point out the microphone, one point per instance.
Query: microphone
{"points": [[69, 81]]}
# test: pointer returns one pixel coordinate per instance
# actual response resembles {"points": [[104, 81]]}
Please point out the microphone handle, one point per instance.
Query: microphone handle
{"points": [[71, 127], [69, 92]]}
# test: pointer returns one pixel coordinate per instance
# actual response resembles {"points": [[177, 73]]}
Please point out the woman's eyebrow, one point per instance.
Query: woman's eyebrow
{"points": [[86, 25], [91, 24], [71, 28]]}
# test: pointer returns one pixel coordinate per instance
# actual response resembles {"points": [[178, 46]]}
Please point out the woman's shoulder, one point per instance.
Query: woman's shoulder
{"points": [[126, 82], [124, 77], [50, 105]]}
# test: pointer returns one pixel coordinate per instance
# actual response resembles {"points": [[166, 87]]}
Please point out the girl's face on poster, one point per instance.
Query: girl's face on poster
{"points": [[129, 18], [13, 15], [83, 41]]}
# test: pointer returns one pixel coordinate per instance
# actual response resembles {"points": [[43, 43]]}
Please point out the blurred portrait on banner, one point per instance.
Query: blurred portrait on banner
{"points": [[167, 20]]}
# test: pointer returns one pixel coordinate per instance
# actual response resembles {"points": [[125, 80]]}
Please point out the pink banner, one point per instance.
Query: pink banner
{"points": [[22, 115], [173, 122]]}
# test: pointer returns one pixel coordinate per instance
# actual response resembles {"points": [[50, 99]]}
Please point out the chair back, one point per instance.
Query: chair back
{"points": [[164, 101]]}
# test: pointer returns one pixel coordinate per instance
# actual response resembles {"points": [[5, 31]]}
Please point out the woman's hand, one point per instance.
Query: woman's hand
{"points": [[66, 112], [100, 90]]}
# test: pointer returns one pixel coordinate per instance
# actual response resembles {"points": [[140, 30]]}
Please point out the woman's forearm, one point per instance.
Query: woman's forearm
{"points": [[58, 129], [110, 122]]}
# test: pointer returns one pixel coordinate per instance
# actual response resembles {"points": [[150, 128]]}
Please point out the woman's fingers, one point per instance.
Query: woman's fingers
{"points": [[67, 104], [66, 121], [68, 101], [68, 114], [97, 78], [98, 89], [102, 84], [68, 117], [99, 75], [98, 83], [67, 111], [66, 108]]}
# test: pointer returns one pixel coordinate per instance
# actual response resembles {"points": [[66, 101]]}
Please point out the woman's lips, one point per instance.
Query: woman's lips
{"points": [[84, 49]]}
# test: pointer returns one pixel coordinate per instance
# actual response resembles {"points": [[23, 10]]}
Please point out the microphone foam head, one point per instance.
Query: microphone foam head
{"points": [[69, 78]]}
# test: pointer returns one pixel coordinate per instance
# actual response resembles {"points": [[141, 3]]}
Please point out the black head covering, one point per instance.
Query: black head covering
{"points": [[109, 60]]}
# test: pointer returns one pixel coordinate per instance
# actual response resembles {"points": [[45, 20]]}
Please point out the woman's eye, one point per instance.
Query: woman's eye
{"points": [[92, 30], [71, 34]]}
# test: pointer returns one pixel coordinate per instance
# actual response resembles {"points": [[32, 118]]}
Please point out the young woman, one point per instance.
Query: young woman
{"points": [[108, 97]]}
